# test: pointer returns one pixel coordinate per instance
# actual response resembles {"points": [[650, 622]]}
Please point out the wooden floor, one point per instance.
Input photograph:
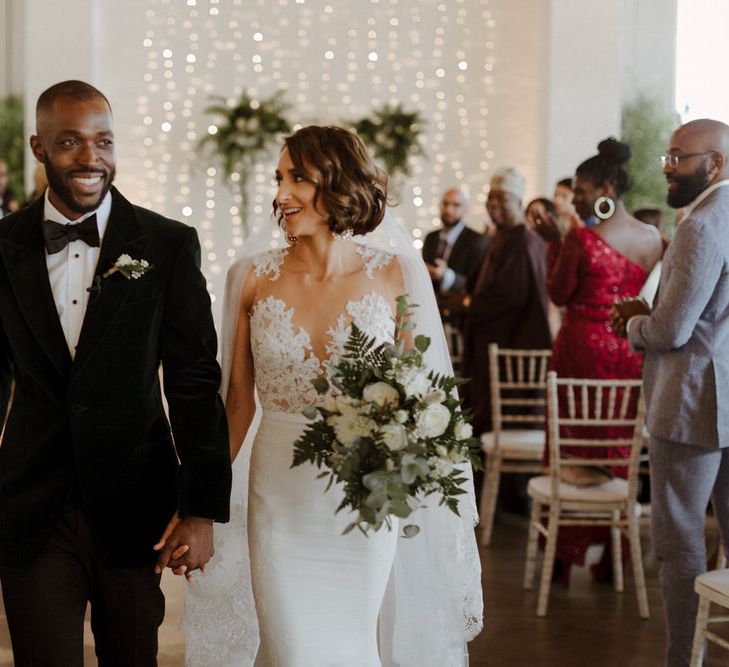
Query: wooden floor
{"points": [[588, 624]]}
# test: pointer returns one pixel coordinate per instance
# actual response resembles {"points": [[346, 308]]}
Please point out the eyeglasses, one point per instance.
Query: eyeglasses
{"points": [[672, 159]]}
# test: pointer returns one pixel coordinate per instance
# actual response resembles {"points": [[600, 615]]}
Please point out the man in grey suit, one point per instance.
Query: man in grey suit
{"points": [[686, 372]]}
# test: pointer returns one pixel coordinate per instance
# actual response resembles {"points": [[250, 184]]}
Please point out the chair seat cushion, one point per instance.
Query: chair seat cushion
{"points": [[715, 586], [521, 444], [610, 491]]}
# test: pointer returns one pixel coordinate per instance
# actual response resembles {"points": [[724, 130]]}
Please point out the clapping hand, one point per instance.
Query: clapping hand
{"points": [[545, 224], [437, 270], [624, 309], [185, 545]]}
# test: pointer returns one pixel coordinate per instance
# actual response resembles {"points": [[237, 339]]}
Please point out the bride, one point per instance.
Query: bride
{"points": [[321, 597]]}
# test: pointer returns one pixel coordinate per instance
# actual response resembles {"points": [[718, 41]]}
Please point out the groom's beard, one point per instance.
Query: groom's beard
{"points": [[58, 183], [688, 187]]}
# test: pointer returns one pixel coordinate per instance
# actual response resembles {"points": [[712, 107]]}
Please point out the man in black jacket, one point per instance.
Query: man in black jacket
{"points": [[95, 294]]}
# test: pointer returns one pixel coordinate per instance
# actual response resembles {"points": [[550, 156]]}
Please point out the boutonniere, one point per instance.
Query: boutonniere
{"points": [[129, 268]]}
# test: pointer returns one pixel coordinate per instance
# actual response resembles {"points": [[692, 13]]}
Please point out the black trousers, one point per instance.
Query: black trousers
{"points": [[45, 603]]}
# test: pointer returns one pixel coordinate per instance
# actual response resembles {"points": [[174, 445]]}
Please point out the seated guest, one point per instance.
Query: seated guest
{"points": [[588, 271], [453, 254], [508, 302]]}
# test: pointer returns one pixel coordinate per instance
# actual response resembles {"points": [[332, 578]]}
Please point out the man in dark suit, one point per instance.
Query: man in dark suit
{"points": [[95, 294], [454, 253]]}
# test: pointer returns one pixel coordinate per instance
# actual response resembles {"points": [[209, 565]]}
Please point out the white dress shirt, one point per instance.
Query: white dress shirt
{"points": [[71, 271], [450, 237]]}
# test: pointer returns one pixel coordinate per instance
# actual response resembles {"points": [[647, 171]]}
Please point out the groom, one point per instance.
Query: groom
{"points": [[686, 372], [91, 474]]}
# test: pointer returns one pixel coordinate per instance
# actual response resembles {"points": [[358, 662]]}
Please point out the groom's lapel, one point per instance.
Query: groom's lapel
{"points": [[24, 255], [123, 235]]}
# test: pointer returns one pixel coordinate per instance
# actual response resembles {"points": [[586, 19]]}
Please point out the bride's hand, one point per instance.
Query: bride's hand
{"points": [[177, 553]]}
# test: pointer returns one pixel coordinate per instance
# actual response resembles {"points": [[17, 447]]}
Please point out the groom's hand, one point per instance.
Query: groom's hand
{"points": [[185, 545]]}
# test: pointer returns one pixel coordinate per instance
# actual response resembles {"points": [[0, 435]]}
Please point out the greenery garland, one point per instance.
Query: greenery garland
{"points": [[393, 136], [12, 142], [245, 131]]}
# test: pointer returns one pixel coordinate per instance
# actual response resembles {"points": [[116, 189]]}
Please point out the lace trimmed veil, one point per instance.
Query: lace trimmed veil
{"points": [[433, 603]]}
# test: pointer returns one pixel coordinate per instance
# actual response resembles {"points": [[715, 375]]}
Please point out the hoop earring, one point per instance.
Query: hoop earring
{"points": [[346, 235], [604, 215], [291, 239]]}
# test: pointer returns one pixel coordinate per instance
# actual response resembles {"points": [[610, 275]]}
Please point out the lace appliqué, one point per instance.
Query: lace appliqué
{"points": [[375, 259], [270, 262], [284, 362]]}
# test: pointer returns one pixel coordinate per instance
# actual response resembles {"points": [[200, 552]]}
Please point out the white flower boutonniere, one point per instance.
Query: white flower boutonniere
{"points": [[129, 268]]}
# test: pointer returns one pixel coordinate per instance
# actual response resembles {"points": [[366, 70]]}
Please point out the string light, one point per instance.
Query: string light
{"points": [[334, 62]]}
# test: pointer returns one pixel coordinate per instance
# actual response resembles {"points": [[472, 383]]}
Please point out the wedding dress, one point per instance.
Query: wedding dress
{"points": [[321, 597]]}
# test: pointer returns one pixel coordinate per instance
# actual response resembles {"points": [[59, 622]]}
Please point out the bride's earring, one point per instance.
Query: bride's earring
{"points": [[291, 239], [343, 236]]}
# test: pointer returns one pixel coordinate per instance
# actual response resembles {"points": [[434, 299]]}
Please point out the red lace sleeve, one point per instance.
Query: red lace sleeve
{"points": [[565, 267]]}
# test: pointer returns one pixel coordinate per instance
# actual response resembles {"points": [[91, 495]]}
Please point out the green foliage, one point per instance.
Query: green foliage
{"points": [[646, 127], [393, 135], [12, 142]]}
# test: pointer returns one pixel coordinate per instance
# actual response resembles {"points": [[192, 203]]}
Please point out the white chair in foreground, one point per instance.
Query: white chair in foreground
{"points": [[518, 396], [591, 405], [711, 587]]}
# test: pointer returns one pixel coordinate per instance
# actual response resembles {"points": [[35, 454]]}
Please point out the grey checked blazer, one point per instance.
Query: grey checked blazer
{"points": [[686, 336]]}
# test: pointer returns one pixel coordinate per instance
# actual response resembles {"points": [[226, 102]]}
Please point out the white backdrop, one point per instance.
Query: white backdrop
{"points": [[529, 83]]}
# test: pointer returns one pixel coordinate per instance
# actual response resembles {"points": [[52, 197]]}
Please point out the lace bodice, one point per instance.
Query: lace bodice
{"points": [[284, 361]]}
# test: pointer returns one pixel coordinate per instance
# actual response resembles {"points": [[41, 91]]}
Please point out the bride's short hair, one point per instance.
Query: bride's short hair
{"points": [[350, 186]]}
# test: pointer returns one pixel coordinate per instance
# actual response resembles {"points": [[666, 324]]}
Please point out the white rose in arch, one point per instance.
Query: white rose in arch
{"points": [[394, 436], [463, 430], [433, 421], [381, 393]]}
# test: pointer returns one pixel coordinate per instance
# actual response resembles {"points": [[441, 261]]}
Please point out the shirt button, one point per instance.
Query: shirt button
{"points": [[77, 255], [74, 302]]}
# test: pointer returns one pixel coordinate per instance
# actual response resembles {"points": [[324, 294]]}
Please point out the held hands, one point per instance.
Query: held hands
{"points": [[624, 309], [437, 270], [185, 545]]}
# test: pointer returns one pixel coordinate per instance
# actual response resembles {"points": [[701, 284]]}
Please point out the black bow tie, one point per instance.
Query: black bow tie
{"points": [[58, 236]]}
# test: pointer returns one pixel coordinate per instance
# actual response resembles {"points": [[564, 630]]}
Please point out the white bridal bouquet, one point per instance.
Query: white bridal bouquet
{"points": [[390, 431]]}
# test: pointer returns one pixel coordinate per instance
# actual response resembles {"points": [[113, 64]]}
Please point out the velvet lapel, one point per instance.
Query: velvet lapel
{"points": [[24, 256], [123, 235]]}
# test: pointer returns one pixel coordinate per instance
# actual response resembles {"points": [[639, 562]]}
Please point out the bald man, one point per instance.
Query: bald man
{"points": [[453, 254], [686, 372]]}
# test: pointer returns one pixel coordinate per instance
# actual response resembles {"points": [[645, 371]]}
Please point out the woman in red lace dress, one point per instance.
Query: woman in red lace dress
{"points": [[588, 271]]}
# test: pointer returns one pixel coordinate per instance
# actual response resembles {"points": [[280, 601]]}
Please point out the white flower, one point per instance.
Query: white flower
{"points": [[433, 420], [401, 416], [414, 381], [350, 427], [346, 405], [124, 260], [462, 430], [394, 436], [381, 393], [330, 404], [440, 467], [435, 396]]}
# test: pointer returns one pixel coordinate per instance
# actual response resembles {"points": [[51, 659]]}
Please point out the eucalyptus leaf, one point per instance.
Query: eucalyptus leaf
{"points": [[411, 530], [310, 412]]}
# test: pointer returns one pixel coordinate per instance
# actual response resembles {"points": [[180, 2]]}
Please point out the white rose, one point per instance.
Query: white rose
{"points": [[349, 428], [433, 421], [330, 404], [381, 393], [394, 436], [345, 405], [124, 260], [462, 430], [401, 416], [414, 381], [440, 467]]}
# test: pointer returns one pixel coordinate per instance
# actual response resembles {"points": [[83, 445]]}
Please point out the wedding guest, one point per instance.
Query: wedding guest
{"points": [[453, 254], [563, 198], [588, 270], [686, 374], [508, 303], [538, 207], [40, 183], [8, 201], [651, 215], [90, 482]]}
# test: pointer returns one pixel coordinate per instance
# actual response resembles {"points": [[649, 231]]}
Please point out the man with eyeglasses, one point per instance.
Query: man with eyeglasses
{"points": [[685, 339]]}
